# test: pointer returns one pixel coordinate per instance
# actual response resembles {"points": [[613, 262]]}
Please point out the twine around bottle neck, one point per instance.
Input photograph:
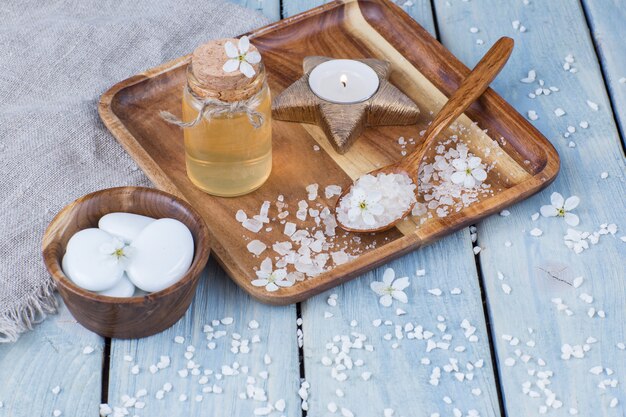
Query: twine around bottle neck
{"points": [[214, 103]]}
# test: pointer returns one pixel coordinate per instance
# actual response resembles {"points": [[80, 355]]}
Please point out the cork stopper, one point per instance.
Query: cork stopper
{"points": [[211, 81]]}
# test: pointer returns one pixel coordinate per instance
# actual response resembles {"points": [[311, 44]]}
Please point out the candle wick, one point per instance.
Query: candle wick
{"points": [[343, 80]]}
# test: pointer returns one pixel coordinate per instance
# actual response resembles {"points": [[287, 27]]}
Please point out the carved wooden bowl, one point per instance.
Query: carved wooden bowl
{"points": [[132, 317]]}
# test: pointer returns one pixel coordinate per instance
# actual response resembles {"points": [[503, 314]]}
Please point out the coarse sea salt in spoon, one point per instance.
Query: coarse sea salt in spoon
{"points": [[380, 199]]}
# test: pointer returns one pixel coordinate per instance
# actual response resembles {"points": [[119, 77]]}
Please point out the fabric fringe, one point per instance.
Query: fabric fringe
{"points": [[34, 309]]}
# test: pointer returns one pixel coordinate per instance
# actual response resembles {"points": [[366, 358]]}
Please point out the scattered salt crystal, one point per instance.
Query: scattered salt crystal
{"points": [[532, 73], [592, 105], [252, 225], [256, 247], [87, 350], [584, 124], [312, 191], [290, 228], [128, 358], [56, 413], [455, 291], [577, 282], [240, 216], [614, 402], [509, 361], [536, 232], [56, 390], [532, 115], [604, 175], [253, 324], [477, 250], [534, 216], [435, 291], [346, 412], [473, 30], [505, 213], [506, 288], [332, 190], [559, 112], [420, 272]]}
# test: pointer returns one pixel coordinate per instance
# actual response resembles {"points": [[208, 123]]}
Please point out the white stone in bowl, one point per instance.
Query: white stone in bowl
{"points": [[86, 265], [126, 226], [124, 288], [162, 254]]}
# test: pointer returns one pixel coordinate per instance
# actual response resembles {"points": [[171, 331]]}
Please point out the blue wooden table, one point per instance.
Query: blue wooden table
{"points": [[526, 327]]}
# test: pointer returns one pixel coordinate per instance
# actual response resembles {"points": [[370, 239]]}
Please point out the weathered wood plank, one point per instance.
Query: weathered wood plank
{"points": [[399, 380], [554, 30], [606, 18], [270, 8], [48, 357], [217, 298]]}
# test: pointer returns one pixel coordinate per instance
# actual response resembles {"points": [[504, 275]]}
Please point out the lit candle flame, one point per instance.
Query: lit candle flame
{"points": [[344, 80]]}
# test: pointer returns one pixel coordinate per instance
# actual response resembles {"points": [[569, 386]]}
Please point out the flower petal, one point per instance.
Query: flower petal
{"points": [[266, 265], [244, 45], [353, 213], [557, 200], [279, 274], [246, 69], [388, 276], [231, 65], [548, 211], [571, 203], [400, 296], [259, 282], [368, 219], [284, 283], [271, 287], [401, 283], [459, 164], [253, 57], [473, 162], [571, 219], [480, 174], [469, 181], [231, 50], [458, 177], [385, 300], [378, 287]]}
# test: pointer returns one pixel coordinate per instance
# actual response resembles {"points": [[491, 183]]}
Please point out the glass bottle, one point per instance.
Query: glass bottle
{"points": [[229, 152]]}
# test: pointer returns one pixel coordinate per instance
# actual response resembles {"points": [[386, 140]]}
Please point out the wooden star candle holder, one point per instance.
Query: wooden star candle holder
{"points": [[343, 123]]}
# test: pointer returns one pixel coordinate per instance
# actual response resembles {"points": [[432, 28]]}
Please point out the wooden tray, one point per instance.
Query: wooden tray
{"points": [[525, 161]]}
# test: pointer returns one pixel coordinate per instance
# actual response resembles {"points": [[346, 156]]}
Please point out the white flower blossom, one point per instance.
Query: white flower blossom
{"points": [[269, 278], [390, 288], [366, 205], [116, 252], [468, 171], [241, 58], [561, 208]]}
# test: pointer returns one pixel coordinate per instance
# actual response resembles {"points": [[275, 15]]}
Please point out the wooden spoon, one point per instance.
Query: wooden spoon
{"points": [[471, 88]]}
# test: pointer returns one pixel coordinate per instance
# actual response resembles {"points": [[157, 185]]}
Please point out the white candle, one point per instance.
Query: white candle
{"points": [[343, 81]]}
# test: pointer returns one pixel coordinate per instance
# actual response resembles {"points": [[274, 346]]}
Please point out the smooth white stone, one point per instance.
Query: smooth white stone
{"points": [[126, 226], [86, 265], [162, 254], [124, 288]]}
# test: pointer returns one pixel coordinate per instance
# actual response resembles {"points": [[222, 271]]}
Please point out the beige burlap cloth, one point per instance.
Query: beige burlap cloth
{"points": [[56, 59]]}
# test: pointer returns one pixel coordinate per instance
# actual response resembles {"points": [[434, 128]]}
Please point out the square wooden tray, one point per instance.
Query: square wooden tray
{"points": [[524, 160]]}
